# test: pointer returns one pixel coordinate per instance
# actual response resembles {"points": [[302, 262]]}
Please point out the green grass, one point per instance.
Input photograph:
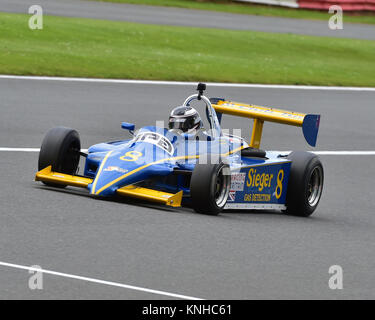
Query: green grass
{"points": [[95, 48], [254, 9]]}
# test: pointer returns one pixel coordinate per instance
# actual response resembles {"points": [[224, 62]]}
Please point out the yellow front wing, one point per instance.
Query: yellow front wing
{"points": [[169, 199], [47, 175]]}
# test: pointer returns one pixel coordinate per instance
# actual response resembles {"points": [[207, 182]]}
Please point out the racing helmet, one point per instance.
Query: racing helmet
{"points": [[185, 119]]}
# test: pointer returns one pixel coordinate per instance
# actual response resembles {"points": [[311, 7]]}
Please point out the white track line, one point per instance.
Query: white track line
{"points": [[325, 153], [345, 153], [181, 83], [20, 149], [108, 283], [6, 149], [336, 153]]}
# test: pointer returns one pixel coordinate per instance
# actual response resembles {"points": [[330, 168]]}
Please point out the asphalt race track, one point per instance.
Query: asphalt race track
{"points": [[237, 255], [187, 17]]}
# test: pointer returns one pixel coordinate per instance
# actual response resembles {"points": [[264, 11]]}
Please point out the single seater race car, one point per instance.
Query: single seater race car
{"points": [[209, 170]]}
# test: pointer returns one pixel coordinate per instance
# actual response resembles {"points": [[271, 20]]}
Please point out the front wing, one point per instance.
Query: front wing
{"points": [[173, 200]]}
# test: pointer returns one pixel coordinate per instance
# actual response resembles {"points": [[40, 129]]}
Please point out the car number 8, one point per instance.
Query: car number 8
{"points": [[131, 156]]}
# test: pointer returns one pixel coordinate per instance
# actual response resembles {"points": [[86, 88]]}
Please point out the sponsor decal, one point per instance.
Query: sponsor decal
{"points": [[232, 196], [238, 181], [257, 197], [117, 169], [57, 176], [264, 182], [258, 180], [264, 110]]}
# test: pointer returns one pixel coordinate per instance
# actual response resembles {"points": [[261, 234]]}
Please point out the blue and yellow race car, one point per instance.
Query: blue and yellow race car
{"points": [[207, 169]]}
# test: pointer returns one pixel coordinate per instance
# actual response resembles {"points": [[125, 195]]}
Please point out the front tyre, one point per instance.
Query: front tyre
{"points": [[209, 187], [60, 149], [305, 184]]}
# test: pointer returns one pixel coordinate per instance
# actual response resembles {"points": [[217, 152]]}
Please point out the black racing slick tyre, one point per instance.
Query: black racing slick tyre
{"points": [[209, 187], [305, 184], [60, 149]]}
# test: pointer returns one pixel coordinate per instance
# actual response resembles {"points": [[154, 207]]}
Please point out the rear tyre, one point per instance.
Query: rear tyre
{"points": [[60, 149], [209, 187], [305, 184]]}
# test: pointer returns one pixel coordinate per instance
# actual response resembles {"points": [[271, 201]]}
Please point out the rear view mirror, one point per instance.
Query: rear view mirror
{"points": [[128, 126]]}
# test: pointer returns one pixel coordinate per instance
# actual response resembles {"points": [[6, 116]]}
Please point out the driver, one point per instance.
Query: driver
{"points": [[186, 119]]}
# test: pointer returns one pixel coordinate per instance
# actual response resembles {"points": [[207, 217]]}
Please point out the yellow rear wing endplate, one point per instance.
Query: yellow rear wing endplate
{"points": [[169, 199], [308, 122]]}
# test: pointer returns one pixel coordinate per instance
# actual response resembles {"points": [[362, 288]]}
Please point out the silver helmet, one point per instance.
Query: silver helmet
{"points": [[185, 119]]}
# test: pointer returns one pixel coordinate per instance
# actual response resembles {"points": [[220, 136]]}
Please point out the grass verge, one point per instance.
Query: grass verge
{"points": [[250, 8], [95, 48]]}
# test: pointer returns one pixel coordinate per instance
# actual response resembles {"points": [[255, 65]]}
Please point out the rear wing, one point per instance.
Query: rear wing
{"points": [[308, 122]]}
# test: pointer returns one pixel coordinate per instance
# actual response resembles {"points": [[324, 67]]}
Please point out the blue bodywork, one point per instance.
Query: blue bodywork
{"points": [[164, 160]]}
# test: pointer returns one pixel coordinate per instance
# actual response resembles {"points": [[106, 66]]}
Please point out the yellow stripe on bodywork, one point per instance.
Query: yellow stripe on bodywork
{"points": [[233, 151], [100, 170], [141, 168]]}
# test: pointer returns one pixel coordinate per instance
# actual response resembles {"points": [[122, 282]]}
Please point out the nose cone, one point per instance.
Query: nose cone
{"points": [[112, 171], [120, 168]]}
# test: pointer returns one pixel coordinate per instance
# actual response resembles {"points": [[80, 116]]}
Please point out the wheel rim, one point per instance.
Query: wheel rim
{"points": [[222, 186], [315, 186]]}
